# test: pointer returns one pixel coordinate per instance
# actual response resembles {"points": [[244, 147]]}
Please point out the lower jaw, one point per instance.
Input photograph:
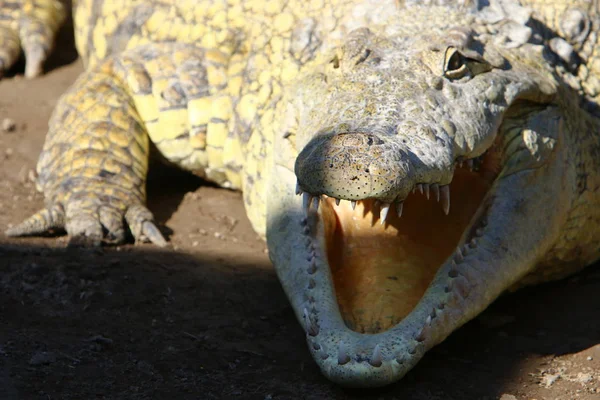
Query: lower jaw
{"points": [[381, 271]]}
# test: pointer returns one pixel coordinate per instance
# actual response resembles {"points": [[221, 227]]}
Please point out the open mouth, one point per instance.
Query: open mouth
{"points": [[383, 257]]}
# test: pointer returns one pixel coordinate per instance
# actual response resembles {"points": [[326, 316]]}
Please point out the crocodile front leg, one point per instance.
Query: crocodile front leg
{"points": [[93, 166]]}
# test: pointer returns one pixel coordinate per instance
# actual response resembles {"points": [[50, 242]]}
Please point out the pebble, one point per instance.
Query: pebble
{"points": [[8, 125], [42, 357]]}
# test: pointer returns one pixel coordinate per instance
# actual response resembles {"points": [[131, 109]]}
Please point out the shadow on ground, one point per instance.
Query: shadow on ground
{"points": [[141, 323]]}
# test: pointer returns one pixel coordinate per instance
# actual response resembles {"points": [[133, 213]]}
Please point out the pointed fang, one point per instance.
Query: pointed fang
{"points": [[343, 357], [436, 191], [399, 207], [420, 187], [316, 200], [376, 359], [426, 187], [445, 192], [353, 204], [311, 329], [298, 190], [337, 202], [306, 200], [383, 213]]}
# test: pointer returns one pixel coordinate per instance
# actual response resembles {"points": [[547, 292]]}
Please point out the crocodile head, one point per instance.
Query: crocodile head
{"points": [[416, 182]]}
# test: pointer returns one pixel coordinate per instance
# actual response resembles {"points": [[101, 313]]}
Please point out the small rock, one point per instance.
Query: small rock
{"points": [[548, 380], [100, 339], [590, 358], [508, 397], [584, 378], [42, 357], [8, 125]]}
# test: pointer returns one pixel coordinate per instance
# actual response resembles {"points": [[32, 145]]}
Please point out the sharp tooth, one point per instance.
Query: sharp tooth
{"points": [[445, 191], [436, 191], [426, 186], [311, 328], [420, 187], [376, 359], [399, 207], [383, 213], [459, 255], [343, 357], [353, 204], [306, 200], [298, 190], [337, 202], [316, 202]]}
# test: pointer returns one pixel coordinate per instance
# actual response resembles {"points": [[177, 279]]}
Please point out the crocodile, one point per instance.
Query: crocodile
{"points": [[348, 125]]}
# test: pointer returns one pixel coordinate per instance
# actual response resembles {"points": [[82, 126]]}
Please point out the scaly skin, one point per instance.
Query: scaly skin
{"points": [[360, 100]]}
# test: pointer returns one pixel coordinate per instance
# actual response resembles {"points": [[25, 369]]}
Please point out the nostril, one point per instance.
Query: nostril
{"points": [[370, 140]]}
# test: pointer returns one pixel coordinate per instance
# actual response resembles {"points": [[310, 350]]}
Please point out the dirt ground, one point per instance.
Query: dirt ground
{"points": [[206, 317]]}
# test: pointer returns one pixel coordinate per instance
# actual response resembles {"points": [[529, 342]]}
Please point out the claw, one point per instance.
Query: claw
{"points": [[142, 227], [34, 60], [151, 232]]}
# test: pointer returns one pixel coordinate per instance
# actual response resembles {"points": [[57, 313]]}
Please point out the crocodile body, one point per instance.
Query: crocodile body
{"points": [[368, 109]]}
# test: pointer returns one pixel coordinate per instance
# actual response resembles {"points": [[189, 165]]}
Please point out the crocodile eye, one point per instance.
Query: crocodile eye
{"points": [[458, 65], [455, 64]]}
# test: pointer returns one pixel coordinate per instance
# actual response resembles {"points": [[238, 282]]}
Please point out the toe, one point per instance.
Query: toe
{"points": [[40, 222], [112, 221], [84, 229], [141, 224]]}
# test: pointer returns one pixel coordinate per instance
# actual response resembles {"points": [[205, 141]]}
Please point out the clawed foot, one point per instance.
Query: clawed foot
{"points": [[91, 226]]}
